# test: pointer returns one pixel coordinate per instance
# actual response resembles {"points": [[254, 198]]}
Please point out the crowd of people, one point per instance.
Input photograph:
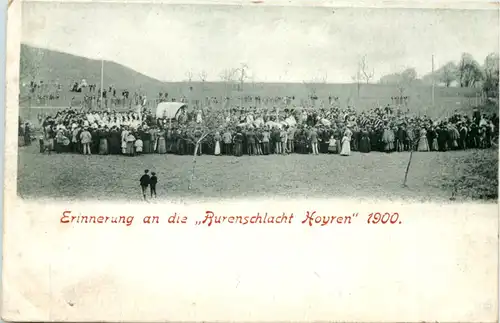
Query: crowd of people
{"points": [[257, 131]]}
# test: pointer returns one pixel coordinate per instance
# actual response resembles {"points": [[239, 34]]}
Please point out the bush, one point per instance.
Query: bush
{"points": [[478, 176]]}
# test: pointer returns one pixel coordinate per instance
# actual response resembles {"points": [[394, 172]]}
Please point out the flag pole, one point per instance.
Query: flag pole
{"points": [[102, 81], [433, 81]]}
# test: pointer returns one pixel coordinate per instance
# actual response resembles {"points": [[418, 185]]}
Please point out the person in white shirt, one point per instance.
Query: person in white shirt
{"points": [[199, 118], [138, 146]]}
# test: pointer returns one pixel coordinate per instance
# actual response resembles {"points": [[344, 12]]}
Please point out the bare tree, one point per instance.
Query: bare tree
{"points": [[227, 76], [322, 77], [367, 73], [203, 76], [311, 88], [312, 85], [242, 73], [189, 76], [200, 133]]}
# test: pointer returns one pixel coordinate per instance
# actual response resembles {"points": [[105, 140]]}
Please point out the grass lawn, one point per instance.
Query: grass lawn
{"points": [[373, 175]]}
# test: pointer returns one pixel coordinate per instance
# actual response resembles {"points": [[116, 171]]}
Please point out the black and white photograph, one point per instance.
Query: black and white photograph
{"points": [[130, 101], [251, 161]]}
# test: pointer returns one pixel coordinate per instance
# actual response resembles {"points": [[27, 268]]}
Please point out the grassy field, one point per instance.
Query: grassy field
{"points": [[375, 175]]}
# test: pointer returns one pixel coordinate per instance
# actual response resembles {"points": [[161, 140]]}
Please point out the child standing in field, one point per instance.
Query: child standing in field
{"points": [[332, 145], [152, 184], [138, 146], [144, 180], [86, 139]]}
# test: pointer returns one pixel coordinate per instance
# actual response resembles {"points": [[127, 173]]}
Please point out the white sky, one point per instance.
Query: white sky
{"points": [[279, 44]]}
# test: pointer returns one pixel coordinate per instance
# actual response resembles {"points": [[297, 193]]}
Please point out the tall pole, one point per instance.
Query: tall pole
{"points": [[433, 76], [102, 82]]}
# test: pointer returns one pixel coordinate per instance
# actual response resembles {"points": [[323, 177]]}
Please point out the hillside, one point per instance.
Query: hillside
{"points": [[66, 68]]}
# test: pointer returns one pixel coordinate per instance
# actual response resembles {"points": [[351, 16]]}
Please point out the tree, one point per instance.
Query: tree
{"points": [[199, 133], [189, 76], [390, 79], [491, 75], [320, 78], [367, 73], [469, 71], [203, 76], [323, 77], [402, 80], [447, 74], [407, 77], [227, 76], [242, 73]]}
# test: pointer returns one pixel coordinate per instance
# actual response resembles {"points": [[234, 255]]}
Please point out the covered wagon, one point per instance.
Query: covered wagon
{"points": [[170, 110]]}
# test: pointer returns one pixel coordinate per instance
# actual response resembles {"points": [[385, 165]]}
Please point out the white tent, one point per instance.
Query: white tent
{"points": [[169, 110]]}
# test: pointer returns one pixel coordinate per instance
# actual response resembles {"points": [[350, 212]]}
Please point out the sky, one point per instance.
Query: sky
{"points": [[278, 44]]}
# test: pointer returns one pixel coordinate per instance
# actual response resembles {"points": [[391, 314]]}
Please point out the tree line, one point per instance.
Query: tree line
{"points": [[466, 73]]}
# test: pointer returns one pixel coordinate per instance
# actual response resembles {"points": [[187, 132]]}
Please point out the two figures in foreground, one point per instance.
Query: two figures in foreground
{"points": [[150, 181]]}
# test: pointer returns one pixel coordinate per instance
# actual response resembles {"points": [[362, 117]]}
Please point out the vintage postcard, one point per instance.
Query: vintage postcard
{"points": [[251, 161]]}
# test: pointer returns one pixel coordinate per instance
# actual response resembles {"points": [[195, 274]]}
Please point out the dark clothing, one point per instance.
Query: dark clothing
{"points": [[145, 180], [238, 143], [431, 135], [251, 148], [364, 143], [463, 138], [152, 184], [355, 140], [442, 139], [400, 139]]}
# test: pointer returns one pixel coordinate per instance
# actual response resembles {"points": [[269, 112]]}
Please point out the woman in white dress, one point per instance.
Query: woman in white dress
{"points": [[346, 146], [217, 139], [423, 144]]}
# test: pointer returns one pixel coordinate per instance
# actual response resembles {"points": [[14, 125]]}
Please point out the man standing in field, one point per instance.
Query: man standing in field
{"points": [[227, 138], [144, 180], [152, 184]]}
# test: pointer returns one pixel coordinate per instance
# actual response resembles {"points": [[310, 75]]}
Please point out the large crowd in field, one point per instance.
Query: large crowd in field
{"points": [[258, 131]]}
